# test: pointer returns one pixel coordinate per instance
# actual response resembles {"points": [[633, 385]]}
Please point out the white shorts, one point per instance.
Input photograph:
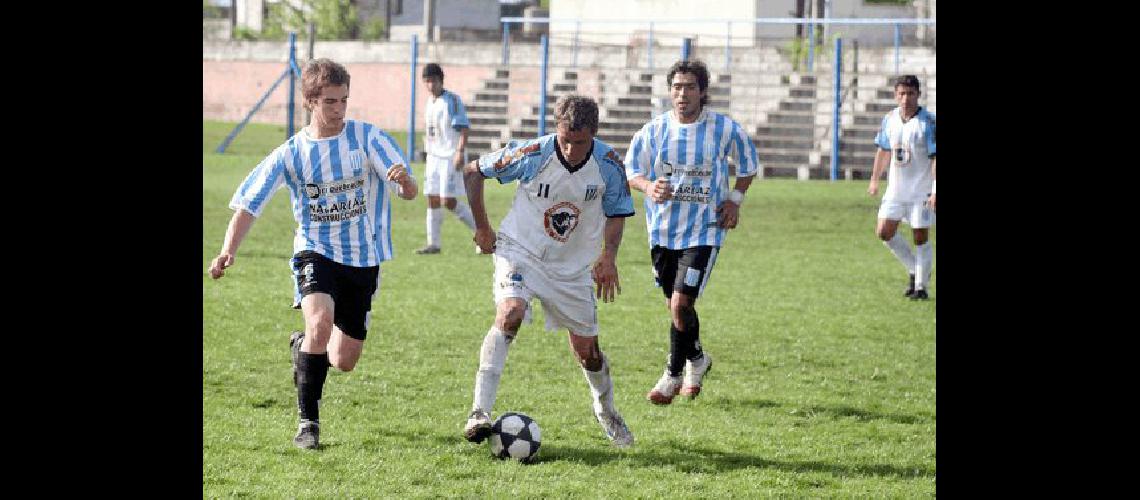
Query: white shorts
{"points": [[442, 179], [567, 303], [917, 214]]}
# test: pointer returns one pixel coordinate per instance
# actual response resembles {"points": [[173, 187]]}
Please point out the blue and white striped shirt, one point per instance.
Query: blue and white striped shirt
{"points": [[694, 158], [337, 185]]}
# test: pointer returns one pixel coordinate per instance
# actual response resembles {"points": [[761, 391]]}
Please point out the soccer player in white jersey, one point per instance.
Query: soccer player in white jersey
{"points": [[679, 160], [339, 173], [445, 140], [906, 142], [571, 199]]}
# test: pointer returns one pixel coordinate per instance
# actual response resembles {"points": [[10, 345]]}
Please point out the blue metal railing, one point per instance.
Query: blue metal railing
{"points": [[291, 69]]}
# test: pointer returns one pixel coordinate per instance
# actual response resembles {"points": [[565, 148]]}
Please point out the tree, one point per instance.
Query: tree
{"points": [[335, 20]]}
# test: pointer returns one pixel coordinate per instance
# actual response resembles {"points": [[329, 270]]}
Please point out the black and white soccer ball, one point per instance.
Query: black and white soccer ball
{"points": [[515, 435]]}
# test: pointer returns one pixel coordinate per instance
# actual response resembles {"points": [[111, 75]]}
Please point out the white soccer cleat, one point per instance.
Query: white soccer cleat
{"points": [[478, 426], [694, 372], [666, 388], [615, 428]]}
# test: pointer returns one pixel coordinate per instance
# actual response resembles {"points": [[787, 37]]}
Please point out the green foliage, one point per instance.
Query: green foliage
{"points": [[824, 384], [211, 11], [334, 20], [244, 33], [373, 29]]}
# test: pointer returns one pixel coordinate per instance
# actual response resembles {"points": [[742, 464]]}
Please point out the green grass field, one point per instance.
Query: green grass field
{"points": [[824, 382]]}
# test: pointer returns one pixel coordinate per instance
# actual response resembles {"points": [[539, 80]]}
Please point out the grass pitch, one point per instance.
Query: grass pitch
{"points": [[824, 382]]}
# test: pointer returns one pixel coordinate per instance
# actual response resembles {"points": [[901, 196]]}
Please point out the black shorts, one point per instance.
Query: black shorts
{"points": [[351, 289], [685, 270]]}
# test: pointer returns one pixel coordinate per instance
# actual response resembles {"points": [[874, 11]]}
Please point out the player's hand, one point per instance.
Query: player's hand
{"points": [[931, 202], [399, 174], [661, 190], [606, 278], [727, 214], [485, 239], [873, 189], [219, 264]]}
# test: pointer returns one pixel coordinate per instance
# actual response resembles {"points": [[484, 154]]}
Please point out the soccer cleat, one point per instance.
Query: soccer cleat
{"points": [[428, 250], [615, 428], [694, 372], [478, 426], [910, 288], [919, 294], [295, 346], [665, 390], [308, 435]]}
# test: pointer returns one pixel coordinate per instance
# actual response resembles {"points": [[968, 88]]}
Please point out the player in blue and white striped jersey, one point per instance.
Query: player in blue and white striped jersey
{"points": [[680, 161], [906, 142], [572, 198], [339, 173]]}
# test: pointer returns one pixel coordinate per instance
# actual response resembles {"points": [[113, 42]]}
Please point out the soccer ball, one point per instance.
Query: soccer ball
{"points": [[515, 435]]}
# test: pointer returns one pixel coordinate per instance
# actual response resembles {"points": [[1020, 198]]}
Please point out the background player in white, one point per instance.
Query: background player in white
{"points": [[679, 160], [338, 173], [572, 197], [906, 142], [445, 141]]}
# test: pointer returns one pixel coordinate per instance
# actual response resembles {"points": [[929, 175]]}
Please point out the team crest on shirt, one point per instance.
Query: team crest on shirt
{"points": [[560, 220], [313, 191], [591, 192]]}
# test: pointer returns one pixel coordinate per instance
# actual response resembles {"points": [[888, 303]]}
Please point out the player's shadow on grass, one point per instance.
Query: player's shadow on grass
{"points": [[690, 460], [863, 415]]}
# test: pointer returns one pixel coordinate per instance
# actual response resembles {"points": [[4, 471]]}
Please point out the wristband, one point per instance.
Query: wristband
{"points": [[736, 196]]}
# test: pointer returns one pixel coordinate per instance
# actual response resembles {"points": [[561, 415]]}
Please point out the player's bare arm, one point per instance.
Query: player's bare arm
{"points": [[235, 233], [484, 234], [605, 270], [659, 191], [881, 159], [728, 212], [399, 174], [459, 149]]}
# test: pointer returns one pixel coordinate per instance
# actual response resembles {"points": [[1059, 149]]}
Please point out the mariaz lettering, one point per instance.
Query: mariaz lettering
{"points": [[692, 193], [337, 212]]}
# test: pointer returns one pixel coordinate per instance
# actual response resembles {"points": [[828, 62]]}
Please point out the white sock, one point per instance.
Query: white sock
{"points": [[901, 249], [925, 259], [601, 386], [492, 357], [464, 213], [434, 220]]}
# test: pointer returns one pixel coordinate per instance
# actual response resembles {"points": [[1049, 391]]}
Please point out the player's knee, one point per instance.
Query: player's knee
{"points": [[319, 325], [450, 203], [510, 317], [920, 237], [344, 365], [590, 357]]}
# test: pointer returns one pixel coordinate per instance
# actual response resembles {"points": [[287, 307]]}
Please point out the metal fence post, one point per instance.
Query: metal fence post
{"points": [[686, 48], [292, 82], [896, 49], [811, 47], [542, 99], [506, 41], [412, 109], [835, 111]]}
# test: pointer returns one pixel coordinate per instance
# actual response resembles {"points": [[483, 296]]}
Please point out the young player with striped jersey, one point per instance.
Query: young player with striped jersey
{"points": [[906, 142], [339, 173], [445, 141], [680, 161], [559, 243]]}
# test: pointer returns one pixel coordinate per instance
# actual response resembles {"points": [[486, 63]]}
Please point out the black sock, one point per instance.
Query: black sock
{"points": [[311, 372], [691, 338], [677, 354]]}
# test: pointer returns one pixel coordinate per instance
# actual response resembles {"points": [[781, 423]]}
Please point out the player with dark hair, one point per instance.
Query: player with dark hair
{"points": [[339, 173], [906, 142], [680, 161], [445, 141]]}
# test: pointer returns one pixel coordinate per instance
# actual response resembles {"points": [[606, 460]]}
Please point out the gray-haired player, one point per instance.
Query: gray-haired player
{"points": [[572, 197]]}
